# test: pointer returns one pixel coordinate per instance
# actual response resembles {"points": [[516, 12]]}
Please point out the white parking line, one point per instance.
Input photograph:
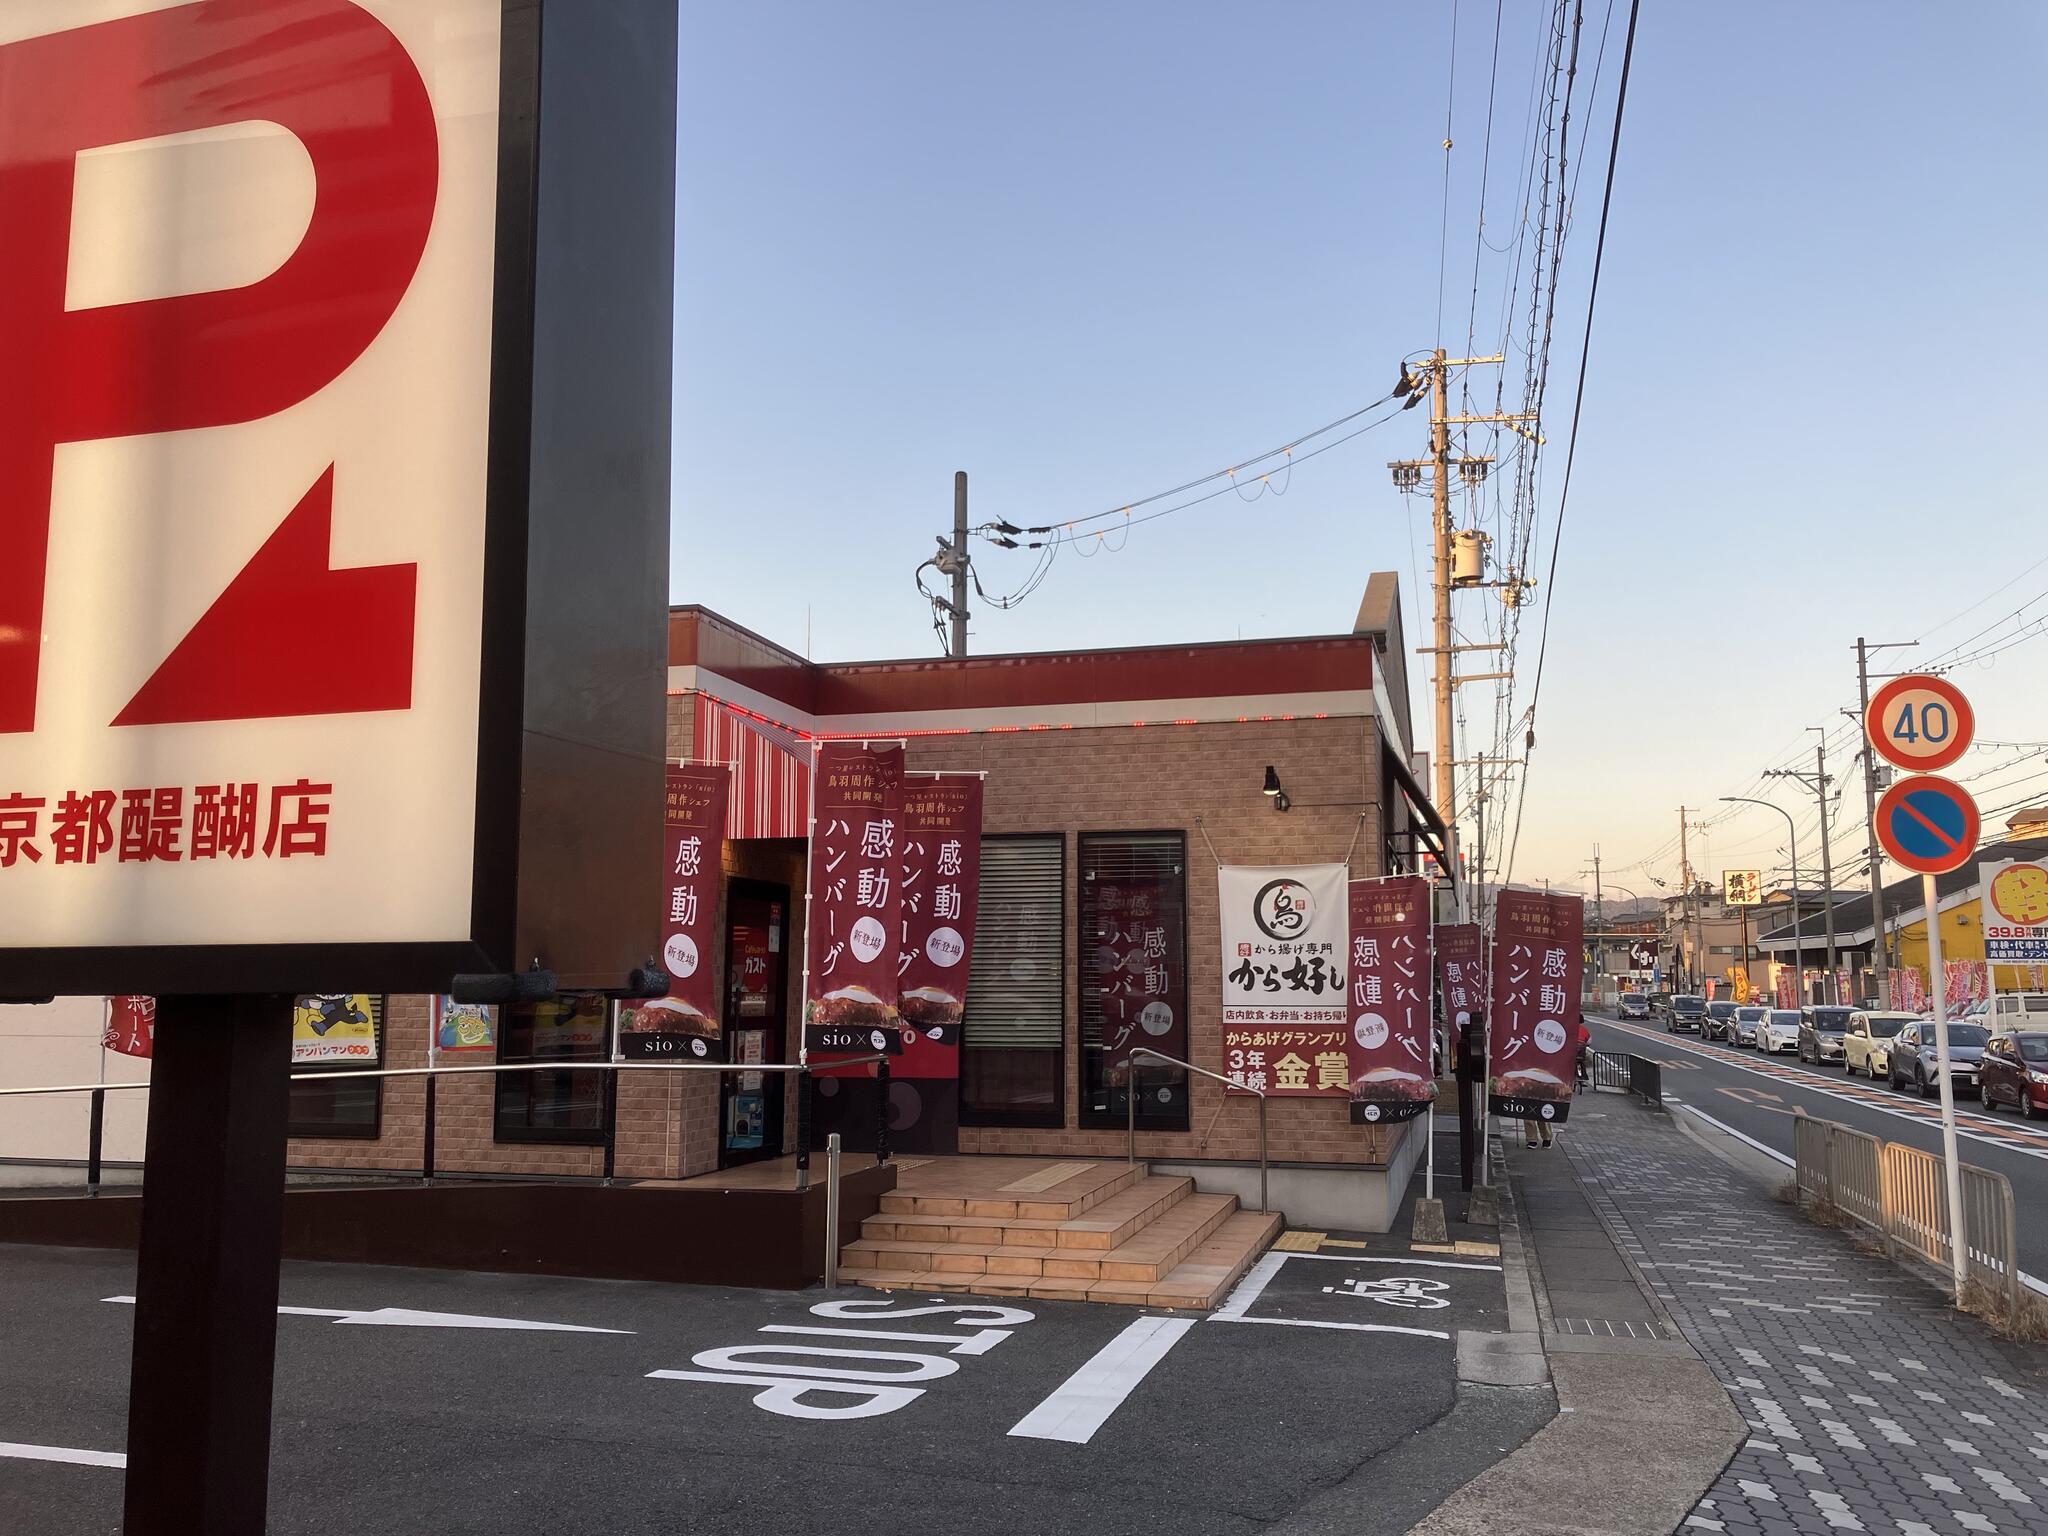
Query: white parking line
{"points": [[1083, 1403], [62, 1453], [1297, 1322]]}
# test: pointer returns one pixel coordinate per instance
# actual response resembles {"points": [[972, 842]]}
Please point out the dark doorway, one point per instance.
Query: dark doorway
{"points": [[756, 1014]]}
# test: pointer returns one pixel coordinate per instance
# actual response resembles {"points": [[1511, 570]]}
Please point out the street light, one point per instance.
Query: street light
{"points": [[1798, 954]]}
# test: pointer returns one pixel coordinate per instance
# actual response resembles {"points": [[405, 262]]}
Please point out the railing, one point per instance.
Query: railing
{"points": [[1898, 1193], [99, 1091], [1131, 1104], [1626, 1073]]}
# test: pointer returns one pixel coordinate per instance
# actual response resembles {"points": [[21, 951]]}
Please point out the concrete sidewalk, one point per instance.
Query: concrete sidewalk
{"points": [[1643, 1429]]}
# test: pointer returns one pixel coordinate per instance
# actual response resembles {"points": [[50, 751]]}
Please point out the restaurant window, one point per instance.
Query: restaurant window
{"points": [[561, 1105], [1132, 938], [335, 1032], [1013, 1064]]}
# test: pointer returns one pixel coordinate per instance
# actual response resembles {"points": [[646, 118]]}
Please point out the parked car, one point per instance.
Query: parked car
{"points": [[2017, 1011], [2014, 1070], [1719, 1022], [1820, 1034], [1867, 1043], [1687, 1012], [1748, 1019], [1635, 1005], [1912, 1058], [1779, 1031]]}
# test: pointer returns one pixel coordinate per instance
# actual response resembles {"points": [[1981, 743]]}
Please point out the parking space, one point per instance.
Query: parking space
{"points": [[516, 1404]]}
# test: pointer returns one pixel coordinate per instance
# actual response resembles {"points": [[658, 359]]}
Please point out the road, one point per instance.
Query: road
{"points": [[1757, 1095]]}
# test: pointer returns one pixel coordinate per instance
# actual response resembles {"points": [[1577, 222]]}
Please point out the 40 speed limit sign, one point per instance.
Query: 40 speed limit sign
{"points": [[1920, 722]]}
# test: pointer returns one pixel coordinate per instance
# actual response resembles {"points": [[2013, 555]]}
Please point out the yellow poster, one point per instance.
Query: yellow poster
{"points": [[330, 1027]]}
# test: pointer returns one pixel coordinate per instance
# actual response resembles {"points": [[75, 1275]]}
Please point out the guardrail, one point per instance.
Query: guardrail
{"points": [[1898, 1193], [1131, 1105], [99, 1091]]}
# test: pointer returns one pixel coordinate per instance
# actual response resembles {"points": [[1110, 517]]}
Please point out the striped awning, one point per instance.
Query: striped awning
{"points": [[771, 769]]}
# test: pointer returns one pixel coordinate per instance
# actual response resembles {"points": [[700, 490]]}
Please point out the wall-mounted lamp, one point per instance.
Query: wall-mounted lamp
{"points": [[1274, 792]]}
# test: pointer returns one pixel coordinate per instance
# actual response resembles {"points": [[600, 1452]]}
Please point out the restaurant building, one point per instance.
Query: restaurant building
{"points": [[1106, 772]]}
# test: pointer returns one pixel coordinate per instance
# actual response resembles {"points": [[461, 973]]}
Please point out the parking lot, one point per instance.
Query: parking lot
{"points": [[503, 1403]]}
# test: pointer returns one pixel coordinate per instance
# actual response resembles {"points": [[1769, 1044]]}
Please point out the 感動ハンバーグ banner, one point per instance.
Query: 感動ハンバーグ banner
{"points": [[1461, 974], [1538, 942], [855, 930], [1392, 1075], [941, 892], [693, 844], [1286, 940]]}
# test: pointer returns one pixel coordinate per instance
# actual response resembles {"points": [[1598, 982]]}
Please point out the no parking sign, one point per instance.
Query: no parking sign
{"points": [[1928, 824]]}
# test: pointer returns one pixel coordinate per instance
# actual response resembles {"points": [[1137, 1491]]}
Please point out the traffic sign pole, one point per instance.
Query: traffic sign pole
{"points": [[1951, 1160]]}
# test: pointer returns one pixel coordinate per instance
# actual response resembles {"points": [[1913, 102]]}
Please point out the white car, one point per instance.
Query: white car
{"points": [[1747, 1021], [1778, 1031]]}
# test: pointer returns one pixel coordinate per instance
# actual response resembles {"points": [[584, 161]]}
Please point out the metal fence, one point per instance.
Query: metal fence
{"points": [[1898, 1193], [1624, 1073]]}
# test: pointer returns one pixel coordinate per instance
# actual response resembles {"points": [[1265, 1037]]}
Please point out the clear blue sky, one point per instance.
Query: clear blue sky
{"points": [[1088, 252]]}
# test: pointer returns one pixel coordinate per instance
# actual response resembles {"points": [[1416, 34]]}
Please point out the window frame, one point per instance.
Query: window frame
{"points": [[1085, 1118], [548, 1135], [307, 1130], [1055, 1118]]}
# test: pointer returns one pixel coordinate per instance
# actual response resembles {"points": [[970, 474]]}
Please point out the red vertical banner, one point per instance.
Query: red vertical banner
{"points": [[693, 866], [1392, 1077], [131, 1025], [941, 844], [1538, 942], [853, 935], [1459, 973]]}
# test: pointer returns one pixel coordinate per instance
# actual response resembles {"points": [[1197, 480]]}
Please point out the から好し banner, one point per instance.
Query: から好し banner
{"points": [[693, 842], [131, 1025], [1392, 1076], [1538, 940], [941, 842], [855, 881], [1285, 935], [1459, 970]]}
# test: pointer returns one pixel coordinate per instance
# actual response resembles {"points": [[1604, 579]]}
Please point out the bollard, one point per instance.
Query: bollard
{"points": [[611, 1125], [95, 1134], [832, 1210], [882, 1117], [803, 1129], [427, 1139]]}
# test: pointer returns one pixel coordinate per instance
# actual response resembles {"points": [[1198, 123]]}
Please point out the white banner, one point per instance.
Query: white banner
{"points": [[1286, 952], [2015, 902]]}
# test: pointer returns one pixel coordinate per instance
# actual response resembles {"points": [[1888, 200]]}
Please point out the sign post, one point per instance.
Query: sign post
{"points": [[352, 577], [1929, 825]]}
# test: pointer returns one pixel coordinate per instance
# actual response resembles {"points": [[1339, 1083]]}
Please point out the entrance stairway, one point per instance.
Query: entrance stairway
{"points": [[1059, 1231]]}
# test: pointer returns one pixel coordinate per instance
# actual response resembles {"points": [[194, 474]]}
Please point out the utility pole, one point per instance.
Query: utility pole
{"points": [[1685, 896], [1436, 374], [1818, 780], [1880, 961], [959, 564]]}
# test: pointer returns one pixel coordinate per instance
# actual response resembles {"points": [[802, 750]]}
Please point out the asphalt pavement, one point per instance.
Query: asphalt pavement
{"points": [[1756, 1096], [423, 1400]]}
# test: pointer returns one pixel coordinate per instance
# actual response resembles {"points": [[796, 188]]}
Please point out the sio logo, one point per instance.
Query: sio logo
{"points": [[1283, 909]]}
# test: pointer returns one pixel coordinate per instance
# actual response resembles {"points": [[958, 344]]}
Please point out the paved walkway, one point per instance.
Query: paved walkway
{"points": [[1871, 1406]]}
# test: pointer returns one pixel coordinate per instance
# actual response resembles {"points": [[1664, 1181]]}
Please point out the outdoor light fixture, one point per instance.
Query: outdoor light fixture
{"points": [[1273, 790]]}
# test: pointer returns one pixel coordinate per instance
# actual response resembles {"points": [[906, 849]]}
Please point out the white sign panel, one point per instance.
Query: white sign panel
{"points": [[2015, 907], [1286, 945], [246, 287], [1742, 887]]}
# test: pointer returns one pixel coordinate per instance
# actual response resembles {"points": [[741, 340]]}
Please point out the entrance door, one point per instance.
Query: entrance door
{"points": [[756, 1008]]}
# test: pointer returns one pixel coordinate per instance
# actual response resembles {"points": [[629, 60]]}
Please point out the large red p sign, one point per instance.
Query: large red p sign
{"points": [[333, 76]]}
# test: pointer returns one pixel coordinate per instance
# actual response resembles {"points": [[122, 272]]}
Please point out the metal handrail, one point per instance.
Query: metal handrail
{"points": [[99, 1091], [1131, 1107]]}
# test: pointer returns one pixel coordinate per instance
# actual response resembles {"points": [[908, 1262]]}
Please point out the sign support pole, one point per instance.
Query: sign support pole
{"points": [[199, 1396], [1951, 1166]]}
